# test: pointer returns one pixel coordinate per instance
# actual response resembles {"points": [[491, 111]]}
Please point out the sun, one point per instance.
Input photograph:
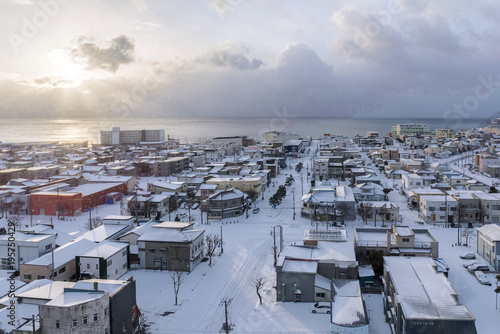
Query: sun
{"points": [[66, 69]]}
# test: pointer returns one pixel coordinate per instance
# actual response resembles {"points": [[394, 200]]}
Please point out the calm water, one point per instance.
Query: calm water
{"points": [[192, 130]]}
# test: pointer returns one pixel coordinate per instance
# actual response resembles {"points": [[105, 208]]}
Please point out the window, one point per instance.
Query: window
{"points": [[320, 295], [442, 208], [151, 250], [124, 266], [105, 311], [88, 265], [63, 269], [432, 208], [27, 276], [58, 324], [162, 250], [40, 277], [75, 322], [49, 246], [116, 271], [109, 262], [85, 320], [406, 239], [97, 266], [95, 316], [124, 253]]}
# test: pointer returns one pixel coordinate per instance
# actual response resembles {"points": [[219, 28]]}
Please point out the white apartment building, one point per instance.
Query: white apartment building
{"points": [[436, 208], [120, 137], [410, 129]]}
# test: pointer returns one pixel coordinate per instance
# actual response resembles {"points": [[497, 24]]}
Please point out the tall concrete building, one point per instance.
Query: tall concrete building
{"points": [[410, 129], [117, 136]]}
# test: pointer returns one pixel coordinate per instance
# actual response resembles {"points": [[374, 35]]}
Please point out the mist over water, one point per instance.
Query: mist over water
{"points": [[196, 130]]}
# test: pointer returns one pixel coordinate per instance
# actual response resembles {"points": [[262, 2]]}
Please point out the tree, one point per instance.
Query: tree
{"points": [[387, 191], [383, 213], [177, 279], [275, 200], [493, 190], [93, 223], [460, 213], [62, 208], [3, 207], [212, 243], [467, 233], [16, 206], [298, 167], [482, 212], [141, 326], [258, 284], [343, 208], [365, 209]]}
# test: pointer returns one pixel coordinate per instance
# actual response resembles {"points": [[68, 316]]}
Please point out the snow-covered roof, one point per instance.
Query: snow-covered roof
{"points": [[492, 231], [422, 292], [104, 232], [72, 298], [300, 266], [64, 254], [169, 235], [104, 249], [347, 305], [322, 282]]}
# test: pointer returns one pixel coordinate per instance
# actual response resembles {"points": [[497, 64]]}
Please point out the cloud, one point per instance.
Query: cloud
{"points": [[119, 52], [230, 56], [140, 5]]}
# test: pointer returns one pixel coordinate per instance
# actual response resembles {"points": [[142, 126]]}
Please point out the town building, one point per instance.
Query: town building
{"points": [[128, 137]]}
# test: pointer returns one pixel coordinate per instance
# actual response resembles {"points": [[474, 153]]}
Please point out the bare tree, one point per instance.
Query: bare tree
{"points": [[365, 209], [343, 208], [62, 208], [3, 207], [177, 279], [258, 284], [460, 213], [467, 233], [141, 326], [16, 206], [94, 222], [383, 213], [212, 242], [482, 212]]}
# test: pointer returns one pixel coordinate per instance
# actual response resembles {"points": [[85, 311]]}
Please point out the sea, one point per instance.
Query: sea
{"points": [[196, 130]]}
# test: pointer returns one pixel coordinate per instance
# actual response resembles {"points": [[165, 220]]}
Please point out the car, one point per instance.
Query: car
{"points": [[256, 210], [467, 255], [482, 278], [322, 307], [470, 263], [476, 267]]}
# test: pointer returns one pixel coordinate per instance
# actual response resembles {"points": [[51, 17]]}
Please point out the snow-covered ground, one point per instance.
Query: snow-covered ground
{"points": [[248, 255]]}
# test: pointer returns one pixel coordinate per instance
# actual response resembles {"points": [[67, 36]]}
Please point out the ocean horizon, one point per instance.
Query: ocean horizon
{"points": [[190, 130]]}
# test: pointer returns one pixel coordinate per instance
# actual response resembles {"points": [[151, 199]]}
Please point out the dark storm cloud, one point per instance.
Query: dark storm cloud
{"points": [[119, 52], [230, 56]]}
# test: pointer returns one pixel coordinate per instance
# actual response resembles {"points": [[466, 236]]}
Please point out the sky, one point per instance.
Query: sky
{"points": [[244, 58]]}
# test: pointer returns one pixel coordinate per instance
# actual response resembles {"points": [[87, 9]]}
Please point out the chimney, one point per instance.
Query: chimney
{"points": [[96, 285]]}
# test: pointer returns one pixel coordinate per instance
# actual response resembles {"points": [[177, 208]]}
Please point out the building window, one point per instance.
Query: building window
{"points": [[124, 266], [106, 312], [40, 277], [58, 324], [75, 322], [95, 316], [162, 250], [85, 320], [109, 262], [406, 239], [63, 269], [124, 253], [97, 266], [49, 246], [88, 265], [151, 250], [27, 276], [320, 295]]}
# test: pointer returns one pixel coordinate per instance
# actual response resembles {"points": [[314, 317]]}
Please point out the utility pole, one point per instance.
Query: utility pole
{"points": [[293, 193], [221, 243], [52, 251], [226, 327]]}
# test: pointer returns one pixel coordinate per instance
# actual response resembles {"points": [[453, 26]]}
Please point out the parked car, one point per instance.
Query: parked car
{"points": [[467, 255], [476, 267], [482, 278], [322, 307], [470, 263], [256, 210]]}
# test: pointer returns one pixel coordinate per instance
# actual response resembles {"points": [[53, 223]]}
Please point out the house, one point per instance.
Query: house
{"points": [[488, 244], [417, 297], [27, 247], [329, 203], [226, 204], [369, 192], [296, 280], [383, 212], [396, 241], [411, 181], [165, 247], [62, 260], [105, 260], [489, 207]]}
